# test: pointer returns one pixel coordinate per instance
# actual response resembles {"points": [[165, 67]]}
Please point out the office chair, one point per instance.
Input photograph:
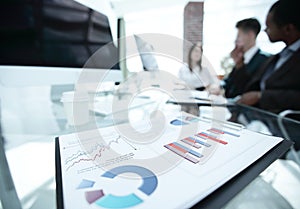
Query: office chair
{"points": [[285, 133]]}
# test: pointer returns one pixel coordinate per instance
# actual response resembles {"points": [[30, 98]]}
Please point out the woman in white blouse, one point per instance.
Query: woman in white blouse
{"points": [[195, 75]]}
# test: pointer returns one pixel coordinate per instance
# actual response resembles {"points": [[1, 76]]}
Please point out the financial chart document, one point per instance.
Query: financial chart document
{"points": [[172, 161]]}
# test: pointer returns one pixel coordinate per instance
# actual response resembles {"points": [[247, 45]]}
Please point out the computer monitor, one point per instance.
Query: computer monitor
{"points": [[54, 33]]}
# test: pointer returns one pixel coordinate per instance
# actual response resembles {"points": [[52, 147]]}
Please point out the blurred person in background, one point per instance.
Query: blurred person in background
{"points": [[195, 75], [276, 86], [247, 57]]}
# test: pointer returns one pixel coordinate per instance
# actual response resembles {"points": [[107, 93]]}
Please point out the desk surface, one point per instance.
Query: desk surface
{"points": [[47, 120], [228, 191]]}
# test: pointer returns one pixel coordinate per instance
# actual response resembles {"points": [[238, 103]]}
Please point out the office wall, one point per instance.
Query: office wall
{"points": [[219, 31]]}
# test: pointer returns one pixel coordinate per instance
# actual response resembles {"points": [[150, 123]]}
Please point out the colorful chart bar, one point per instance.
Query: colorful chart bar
{"points": [[85, 184], [198, 141], [93, 196], [205, 135], [178, 122], [218, 131], [181, 152], [203, 143], [197, 154], [191, 142], [149, 178], [113, 201]]}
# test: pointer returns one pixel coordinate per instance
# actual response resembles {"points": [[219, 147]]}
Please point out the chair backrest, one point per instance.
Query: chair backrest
{"points": [[285, 133]]}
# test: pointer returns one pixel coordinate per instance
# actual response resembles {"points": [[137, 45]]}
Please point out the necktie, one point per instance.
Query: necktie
{"points": [[278, 61], [283, 57], [269, 71]]}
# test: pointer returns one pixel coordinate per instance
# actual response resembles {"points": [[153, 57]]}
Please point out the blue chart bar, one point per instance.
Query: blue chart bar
{"points": [[197, 154], [178, 122], [232, 134], [191, 142], [181, 152], [112, 201], [85, 184], [201, 142], [149, 178], [195, 142], [215, 130]]}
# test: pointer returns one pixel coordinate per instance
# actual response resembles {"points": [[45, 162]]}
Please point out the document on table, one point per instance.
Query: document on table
{"points": [[104, 105], [195, 97], [174, 161]]}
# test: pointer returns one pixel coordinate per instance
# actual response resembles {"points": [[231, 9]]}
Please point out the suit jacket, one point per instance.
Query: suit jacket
{"points": [[282, 88], [238, 79]]}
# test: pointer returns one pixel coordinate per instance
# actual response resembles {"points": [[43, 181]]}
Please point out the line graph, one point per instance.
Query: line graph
{"points": [[94, 148], [86, 159], [94, 152]]}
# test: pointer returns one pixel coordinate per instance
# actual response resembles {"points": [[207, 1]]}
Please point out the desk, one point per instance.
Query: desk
{"points": [[28, 146]]}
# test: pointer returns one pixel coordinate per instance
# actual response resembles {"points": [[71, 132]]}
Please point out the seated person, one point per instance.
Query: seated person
{"points": [[247, 57], [276, 86], [195, 75]]}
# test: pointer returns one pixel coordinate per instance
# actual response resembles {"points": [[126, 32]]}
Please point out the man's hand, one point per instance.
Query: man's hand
{"points": [[237, 55], [250, 98]]}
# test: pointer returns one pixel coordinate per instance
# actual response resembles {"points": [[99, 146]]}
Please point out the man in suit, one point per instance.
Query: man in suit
{"points": [[276, 87], [246, 55]]}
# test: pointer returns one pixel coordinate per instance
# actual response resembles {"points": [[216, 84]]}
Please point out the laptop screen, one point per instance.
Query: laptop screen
{"points": [[146, 52]]}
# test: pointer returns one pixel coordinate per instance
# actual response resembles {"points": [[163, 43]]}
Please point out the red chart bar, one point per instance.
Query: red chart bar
{"points": [[181, 152], [191, 142], [212, 138], [217, 131]]}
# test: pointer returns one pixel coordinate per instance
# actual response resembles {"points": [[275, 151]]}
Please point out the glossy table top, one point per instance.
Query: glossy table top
{"points": [[33, 116]]}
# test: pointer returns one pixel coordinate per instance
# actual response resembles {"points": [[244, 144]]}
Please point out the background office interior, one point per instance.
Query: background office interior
{"points": [[167, 17], [160, 17], [155, 16], [57, 39]]}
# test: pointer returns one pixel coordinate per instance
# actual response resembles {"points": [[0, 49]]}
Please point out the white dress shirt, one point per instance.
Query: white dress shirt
{"points": [[197, 78], [286, 53], [249, 54]]}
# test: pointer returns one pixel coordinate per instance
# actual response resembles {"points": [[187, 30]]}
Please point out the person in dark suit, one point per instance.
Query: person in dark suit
{"points": [[247, 57], [276, 86]]}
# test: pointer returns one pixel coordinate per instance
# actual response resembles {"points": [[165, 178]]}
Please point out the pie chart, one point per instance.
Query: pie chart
{"points": [[101, 199]]}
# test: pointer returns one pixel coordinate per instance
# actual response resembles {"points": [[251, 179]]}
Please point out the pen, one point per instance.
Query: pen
{"points": [[199, 98]]}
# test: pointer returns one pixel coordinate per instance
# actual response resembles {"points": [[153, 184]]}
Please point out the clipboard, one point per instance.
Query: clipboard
{"points": [[58, 177], [216, 199]]}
